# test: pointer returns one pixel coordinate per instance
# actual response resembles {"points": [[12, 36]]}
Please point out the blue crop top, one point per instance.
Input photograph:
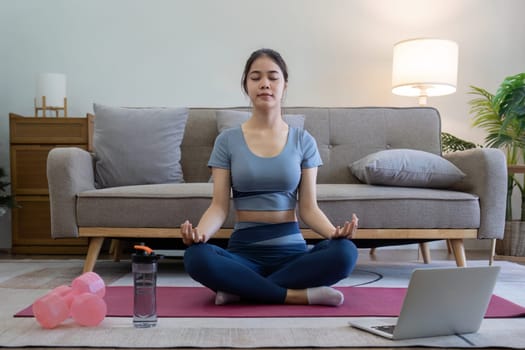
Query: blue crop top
{"points": [[265, 183]]}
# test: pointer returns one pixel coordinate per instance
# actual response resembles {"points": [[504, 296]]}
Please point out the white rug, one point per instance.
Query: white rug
{"points": [[231, 332]]}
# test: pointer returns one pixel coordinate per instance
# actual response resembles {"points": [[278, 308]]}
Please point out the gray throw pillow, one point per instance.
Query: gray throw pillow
{"points": [[135, 146], [406, 167], [227, 119]]}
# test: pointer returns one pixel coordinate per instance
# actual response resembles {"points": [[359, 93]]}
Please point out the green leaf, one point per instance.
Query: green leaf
{"points": [[502, 115], [451, 143]]}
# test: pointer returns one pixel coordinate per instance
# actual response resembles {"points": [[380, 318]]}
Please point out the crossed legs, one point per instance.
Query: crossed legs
{"points": [[300, 280]]}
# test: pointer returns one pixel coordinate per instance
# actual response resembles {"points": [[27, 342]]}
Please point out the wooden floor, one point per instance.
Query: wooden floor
{"points": [[380, 255]]}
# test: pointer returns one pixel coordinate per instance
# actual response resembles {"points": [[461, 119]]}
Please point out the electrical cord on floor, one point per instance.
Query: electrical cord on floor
{"points": [[377, 274]]}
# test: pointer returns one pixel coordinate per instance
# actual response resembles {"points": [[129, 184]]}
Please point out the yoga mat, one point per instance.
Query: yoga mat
{"points": [[199, 302]]}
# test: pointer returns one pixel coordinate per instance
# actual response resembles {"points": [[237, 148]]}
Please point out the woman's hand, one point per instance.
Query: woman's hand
{"points": [[348, 230], [190, 235]]}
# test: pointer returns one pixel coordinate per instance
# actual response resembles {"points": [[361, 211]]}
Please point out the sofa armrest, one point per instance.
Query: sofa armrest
{"points": [[486, 170], [69, 171]]}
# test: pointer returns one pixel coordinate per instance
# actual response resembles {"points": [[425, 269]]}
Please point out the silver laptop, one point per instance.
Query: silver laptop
{"points": [[439, 301]]}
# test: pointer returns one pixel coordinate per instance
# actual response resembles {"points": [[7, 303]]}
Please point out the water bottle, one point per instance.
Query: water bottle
{"points": [[144, 267]]}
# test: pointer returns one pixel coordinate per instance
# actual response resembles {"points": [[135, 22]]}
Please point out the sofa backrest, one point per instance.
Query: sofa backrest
{"points": [[343, 135]]}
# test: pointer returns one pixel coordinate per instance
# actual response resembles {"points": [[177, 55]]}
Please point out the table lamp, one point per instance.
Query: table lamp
{"points": [[424, 67], [50, 94]]}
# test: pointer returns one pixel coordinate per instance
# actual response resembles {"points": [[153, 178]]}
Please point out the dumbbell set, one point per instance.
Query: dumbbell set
{"points": [[83, 301]]}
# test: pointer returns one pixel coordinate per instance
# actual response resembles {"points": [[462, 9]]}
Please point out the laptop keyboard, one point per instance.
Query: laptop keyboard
{"points": [[386, 329]]}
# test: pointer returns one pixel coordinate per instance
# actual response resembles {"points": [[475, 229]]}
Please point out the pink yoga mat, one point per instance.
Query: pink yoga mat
{"points": [[199, 302]]}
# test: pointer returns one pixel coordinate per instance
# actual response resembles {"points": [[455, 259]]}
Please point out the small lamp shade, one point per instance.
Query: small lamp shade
{"points": [[53, 87], [425, 67]]}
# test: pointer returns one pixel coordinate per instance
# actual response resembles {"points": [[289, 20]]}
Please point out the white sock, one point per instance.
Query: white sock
{"points": [[324, 296], [222, 298]]}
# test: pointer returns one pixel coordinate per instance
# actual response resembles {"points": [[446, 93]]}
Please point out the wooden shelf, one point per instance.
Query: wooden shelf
{"points": [[31, 139]]}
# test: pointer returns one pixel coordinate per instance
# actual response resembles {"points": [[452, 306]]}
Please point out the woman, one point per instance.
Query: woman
{"points": [[271, 168]]}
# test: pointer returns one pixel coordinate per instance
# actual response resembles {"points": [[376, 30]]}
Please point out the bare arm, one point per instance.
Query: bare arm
{"points": [[213, 218], [313, 216]]}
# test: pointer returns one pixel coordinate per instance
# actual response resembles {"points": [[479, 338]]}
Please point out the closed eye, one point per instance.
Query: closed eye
{"points": [[272, 75]]}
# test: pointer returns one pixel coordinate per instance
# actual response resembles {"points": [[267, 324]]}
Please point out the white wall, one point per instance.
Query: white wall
{"points": [[191, 53]]}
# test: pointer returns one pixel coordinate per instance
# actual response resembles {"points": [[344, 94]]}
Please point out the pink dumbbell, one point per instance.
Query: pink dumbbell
{"points": [[89, 282], [82, 301]]}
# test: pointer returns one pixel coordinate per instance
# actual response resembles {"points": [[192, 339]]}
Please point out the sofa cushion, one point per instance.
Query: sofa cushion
{"points": [[227, 119], [394, 207], [406, 167], [157, 205], [138, 145], [168, 205]]}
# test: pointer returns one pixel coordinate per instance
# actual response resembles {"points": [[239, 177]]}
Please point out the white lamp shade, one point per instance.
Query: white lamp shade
{"points": [[425, 67], [53, 87]]}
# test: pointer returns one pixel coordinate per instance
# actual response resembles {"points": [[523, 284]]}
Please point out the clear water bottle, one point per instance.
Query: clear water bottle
{"points": [[144, 267]]}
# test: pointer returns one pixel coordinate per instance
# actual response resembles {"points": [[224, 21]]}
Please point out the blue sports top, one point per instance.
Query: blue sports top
{"points": [[265, 183]]}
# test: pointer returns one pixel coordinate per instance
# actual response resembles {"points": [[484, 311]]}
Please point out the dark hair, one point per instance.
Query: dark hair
{"points": [[273, 55]]}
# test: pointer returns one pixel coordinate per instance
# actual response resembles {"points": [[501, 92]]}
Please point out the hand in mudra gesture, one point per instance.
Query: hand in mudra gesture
{"points": [[190, 235], [348, 230]]}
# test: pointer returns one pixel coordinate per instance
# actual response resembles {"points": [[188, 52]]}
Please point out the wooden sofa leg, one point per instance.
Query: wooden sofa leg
{"points": [[95, 245], [492, 251], [115, 249], [449, 246], [459, 252], [425, 252]]}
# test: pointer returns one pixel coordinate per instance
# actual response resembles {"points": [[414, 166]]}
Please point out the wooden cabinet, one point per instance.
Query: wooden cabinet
{"points": [[31, 139]]}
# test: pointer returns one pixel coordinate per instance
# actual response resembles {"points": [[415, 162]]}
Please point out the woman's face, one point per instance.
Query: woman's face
{"points": [[265, 83]]}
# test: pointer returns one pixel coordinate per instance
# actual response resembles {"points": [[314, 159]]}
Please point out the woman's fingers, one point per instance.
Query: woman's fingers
{"points": [[196, 236], [340, 232], [186, 232], [337, 232], [189, 234], [355, 222], [348, 230]]}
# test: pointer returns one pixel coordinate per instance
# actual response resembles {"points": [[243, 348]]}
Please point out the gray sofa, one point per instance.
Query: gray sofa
{"points": [[471, 208]]}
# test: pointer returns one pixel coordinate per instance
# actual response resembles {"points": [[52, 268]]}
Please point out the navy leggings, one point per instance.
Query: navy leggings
{"points": [[262, 262]]}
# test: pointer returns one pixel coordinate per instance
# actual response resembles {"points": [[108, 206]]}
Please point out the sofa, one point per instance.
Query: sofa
{"points": [[382, 163]]}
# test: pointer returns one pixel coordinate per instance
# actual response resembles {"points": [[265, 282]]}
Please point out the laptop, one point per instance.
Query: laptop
{"points": [[439, 301]]}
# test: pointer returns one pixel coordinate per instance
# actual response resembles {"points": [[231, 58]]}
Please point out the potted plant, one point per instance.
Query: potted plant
{"points": [[502, 115], [451, 143], [6, 201]]}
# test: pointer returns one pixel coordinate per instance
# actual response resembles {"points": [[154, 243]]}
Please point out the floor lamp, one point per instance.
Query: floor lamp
{"points": [[424, 67]]}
